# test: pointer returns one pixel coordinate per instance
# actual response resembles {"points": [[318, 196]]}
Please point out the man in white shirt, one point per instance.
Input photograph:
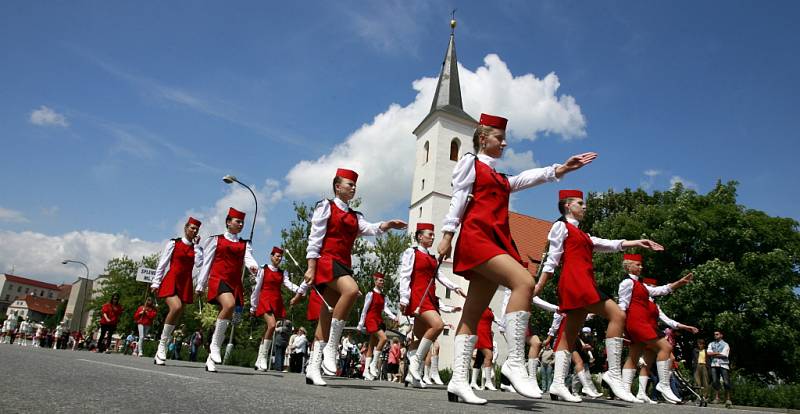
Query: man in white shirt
{"points": [[719, 351]]}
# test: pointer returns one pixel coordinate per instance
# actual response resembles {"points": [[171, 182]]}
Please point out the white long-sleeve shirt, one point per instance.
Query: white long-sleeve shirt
{"points": [[557, 319], [166, 258], [319, 226], [558, 234], [464, 178], [407, 268], [367, 302], [208, 258], [625, 291], [256, 295]]}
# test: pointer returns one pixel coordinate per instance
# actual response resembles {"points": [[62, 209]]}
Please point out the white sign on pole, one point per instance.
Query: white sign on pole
{"points": [[145, 275]]}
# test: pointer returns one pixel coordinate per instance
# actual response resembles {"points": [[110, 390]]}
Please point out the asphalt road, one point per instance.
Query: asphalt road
{"points": [[45, 380]]}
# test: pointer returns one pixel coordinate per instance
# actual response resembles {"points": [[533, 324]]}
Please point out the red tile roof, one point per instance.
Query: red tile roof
{"points": [[41, 305], [30, 282], [530, 235]]}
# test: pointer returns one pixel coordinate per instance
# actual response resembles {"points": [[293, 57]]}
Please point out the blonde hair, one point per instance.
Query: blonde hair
{"points": [[476, 137], [627, 263]]}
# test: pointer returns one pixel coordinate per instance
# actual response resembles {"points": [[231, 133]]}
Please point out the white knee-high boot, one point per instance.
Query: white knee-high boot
{"points": [[516, 325], [313, 374], [416, 363], [613, 377], [533, 368], [488, 379], [642, 394], [587, 385], [214, 356], [426, 377], [331, 348], [627, 380], [367, 368], [263, 351], [664, 375], [458, 389], [474, 380], [560, 369], [374, 367], [161, 353], [435, 370]]}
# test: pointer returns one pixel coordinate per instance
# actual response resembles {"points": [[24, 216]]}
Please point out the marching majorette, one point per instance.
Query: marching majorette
{"points": [[173, 280], [641, 327], [334, 229], [578, 294], [143, 317], [266, 301], [372, 323], [418, 272], [486, 255], [24, 332], [485, 352], [224, 256]]}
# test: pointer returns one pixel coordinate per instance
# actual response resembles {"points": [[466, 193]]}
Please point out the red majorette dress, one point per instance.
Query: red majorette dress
{"points": [[266, 297], [642, 319], [180, 256], [372, 315], [573, 248], [485, 334], [480, 206], [485, 230], [225, 254], [334, 229], [417, 271], [313, 307], [643, 314]]}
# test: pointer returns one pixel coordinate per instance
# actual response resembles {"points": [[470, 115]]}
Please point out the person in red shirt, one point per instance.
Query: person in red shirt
{"points": [[334, 229], [109, 317], [143, 317], [173, 280], [486, 255]]}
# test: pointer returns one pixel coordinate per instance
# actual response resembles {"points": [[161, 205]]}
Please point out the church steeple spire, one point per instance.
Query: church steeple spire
{"points": [[448, 89]]}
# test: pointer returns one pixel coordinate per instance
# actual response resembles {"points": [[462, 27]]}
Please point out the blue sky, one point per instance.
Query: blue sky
{"points": [[118, 120]]}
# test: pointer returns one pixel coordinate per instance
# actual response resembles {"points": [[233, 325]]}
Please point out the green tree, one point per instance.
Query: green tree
{"points": [[746, 266]]}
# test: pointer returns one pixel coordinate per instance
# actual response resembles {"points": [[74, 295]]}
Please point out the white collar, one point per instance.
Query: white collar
{"points": [[573, 221], [231, 237], [271, 267], [634, 277], [341, 204], [423, 249], [376, 290], [490, 161], [186, 241]]}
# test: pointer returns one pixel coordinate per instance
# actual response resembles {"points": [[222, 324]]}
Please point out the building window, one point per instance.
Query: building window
{"points": [[446, 332], [420, 212], [455, 146], [427, 151], [447, 293], [50, 295], [19, 289], [423, 184], [41, 293]]}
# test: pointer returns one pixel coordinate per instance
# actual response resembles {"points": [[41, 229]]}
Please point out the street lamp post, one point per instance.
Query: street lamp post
{"points": [[83, 305], [230, 179]]}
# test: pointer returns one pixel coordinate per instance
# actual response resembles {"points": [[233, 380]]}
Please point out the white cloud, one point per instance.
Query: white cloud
{"points": [[652, 173], [12, 216], [382, 150], [46, 116], [686, 183], [39, 256], [236, 196], [513, 162]]}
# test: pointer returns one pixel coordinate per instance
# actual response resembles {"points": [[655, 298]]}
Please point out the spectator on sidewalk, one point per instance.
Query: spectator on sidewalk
{"points": [[109, 317], [699, 363], [719, 352], [195, 342]]}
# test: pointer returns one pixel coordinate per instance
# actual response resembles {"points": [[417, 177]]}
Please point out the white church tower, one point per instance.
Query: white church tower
{"points": [[442, 138]]}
